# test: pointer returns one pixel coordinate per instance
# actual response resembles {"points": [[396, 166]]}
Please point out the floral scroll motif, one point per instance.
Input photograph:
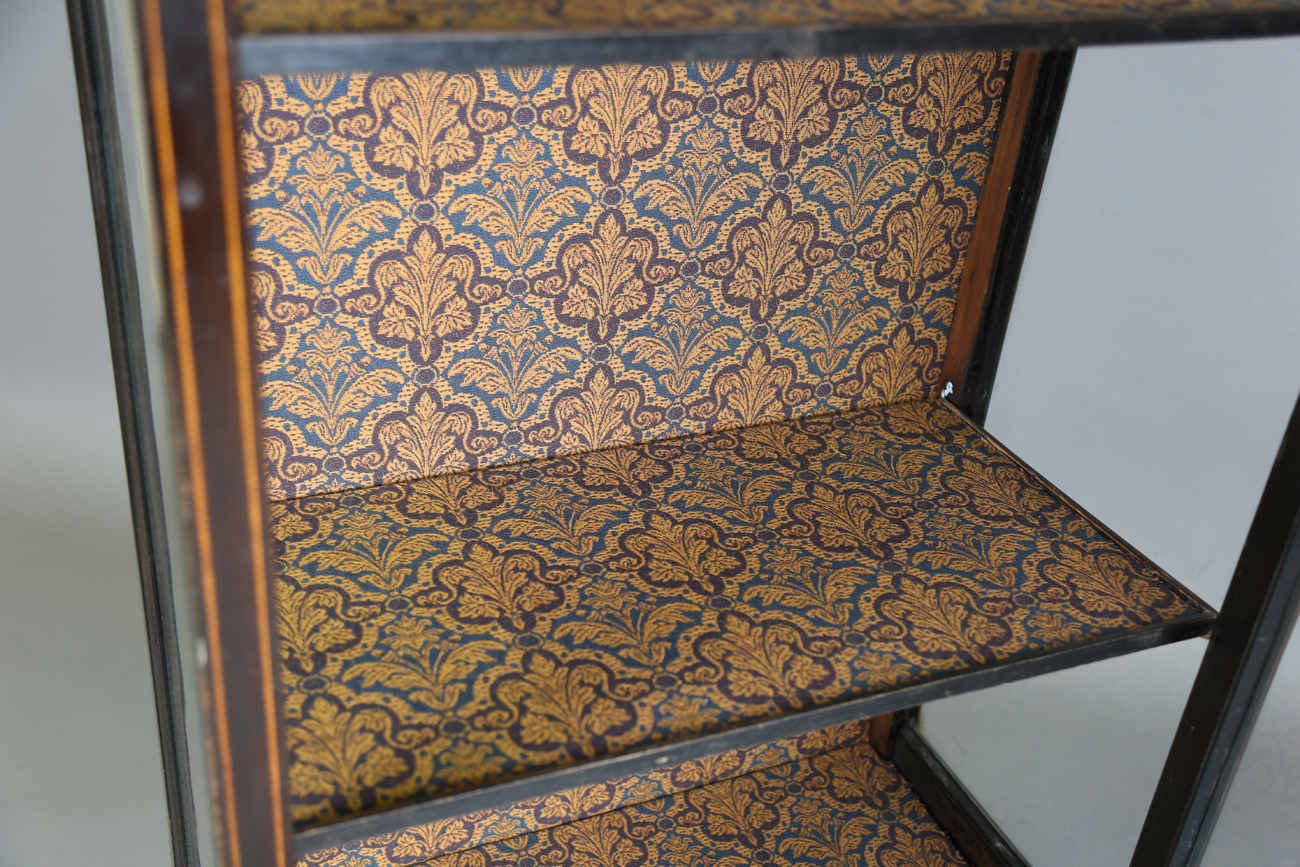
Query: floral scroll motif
{"points": [[754, 390], [522, 204], [767, 662], [346, 754], [1101, 583], [332, 387], [596, 415], [769, 258], [861, 173], [422, 125], [705, 245], [424, 439], [261, 129], [515, 617], [666, 553], [919, 242], [942, 620], [325, 220], [599, 413], [614, 115], [571, 707], [275, 308], [888, 370], [516, 364], [424, 296], [314, 624], [284, 469], [485, 585], [854, 519], [700, 188], [606, 277], [947, 95], [791, 105], [844, 807], [453, 497]]}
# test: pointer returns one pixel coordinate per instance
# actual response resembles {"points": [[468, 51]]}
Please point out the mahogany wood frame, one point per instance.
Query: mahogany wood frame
{"points": [[977, 273], [1001, 234], [192, 112], [188, 53]]}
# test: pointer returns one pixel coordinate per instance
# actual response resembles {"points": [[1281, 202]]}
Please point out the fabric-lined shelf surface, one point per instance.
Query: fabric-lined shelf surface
{"points": [[435, 839], [280, 16], [458, 631], [845, 806]]}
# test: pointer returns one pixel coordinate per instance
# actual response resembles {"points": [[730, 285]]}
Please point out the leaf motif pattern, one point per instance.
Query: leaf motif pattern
{"points": [[615, 115], [423, 297], [946, 96], [606, 277], [769, 259], [709, 243], [790, 105]]}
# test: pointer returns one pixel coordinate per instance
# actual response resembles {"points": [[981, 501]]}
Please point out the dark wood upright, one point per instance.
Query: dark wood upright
{"points": [[189, 80]]}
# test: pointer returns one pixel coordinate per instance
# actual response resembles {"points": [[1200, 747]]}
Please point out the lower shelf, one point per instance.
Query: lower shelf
{"points": [[470, 641], [845, 806]]}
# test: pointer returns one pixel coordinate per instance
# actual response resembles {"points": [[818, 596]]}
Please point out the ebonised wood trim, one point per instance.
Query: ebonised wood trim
{"points": [[92, 62], [402, 51], [192, 116], [1051, 81], [976, 836], [1249, 637]]}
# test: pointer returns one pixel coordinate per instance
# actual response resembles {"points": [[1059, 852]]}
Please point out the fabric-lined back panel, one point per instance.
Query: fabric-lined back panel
{"points": [[459, 271]]}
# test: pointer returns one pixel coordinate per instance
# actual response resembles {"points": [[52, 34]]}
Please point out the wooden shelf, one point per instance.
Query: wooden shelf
{"points": [[802, 800], [281, 37], [467, 641]]}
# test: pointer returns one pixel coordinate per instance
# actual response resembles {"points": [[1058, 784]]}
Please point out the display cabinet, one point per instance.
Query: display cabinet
{"points": [[582, 411]]}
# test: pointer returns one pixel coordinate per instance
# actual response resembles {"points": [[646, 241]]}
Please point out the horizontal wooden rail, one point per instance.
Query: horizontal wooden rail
{"points": [[395, 52]]}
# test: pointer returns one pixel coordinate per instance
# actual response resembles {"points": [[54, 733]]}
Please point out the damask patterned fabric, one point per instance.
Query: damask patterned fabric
{"points": [[846, 807], [459, 630], [476, 829], [281, 16], [460, 271]]}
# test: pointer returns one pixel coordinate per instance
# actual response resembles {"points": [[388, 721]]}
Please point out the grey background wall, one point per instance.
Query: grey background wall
{"points": [[1151, 361], [80, 775]]}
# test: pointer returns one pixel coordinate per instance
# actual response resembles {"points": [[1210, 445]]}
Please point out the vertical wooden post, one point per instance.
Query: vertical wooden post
{"points": [[1245, 647], [1001, 233], [190, 87]]}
